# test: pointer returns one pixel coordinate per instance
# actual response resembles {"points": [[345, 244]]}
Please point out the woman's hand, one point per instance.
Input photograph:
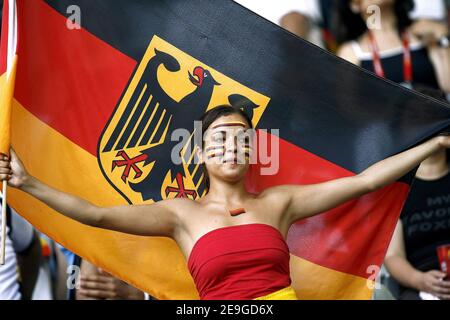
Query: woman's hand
{"points": [[13, 170], [432, 282], [444, 141], [429, 31], [104, 286]]}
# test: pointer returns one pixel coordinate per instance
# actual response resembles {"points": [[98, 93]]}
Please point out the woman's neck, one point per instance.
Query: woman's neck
{"points": [[388, 20], [386, 33], [228, 194], [434, 167]]}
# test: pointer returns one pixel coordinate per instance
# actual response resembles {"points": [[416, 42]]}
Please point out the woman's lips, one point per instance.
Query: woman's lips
{"points": [[233, 160]]}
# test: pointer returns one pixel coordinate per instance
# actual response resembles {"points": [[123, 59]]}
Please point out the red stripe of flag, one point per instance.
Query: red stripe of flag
{"points": [[51, 60]]}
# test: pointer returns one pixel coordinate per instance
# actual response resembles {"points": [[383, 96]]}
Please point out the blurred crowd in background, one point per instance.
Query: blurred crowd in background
{"points": [[405, 41]]}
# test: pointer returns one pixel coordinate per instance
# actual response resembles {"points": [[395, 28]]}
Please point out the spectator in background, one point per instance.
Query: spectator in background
{"points": [[23, 253], [385, 49], [69, 264], [95, 284], [299, 17], [424, 225], [429, 10], [448, 11], [309, 19], [92, 283]]}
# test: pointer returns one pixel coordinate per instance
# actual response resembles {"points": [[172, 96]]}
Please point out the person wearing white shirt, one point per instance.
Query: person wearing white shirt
{"points": [[19, 273]]}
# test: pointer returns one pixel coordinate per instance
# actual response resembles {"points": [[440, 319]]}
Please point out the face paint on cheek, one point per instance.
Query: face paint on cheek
{"points": [[220, 148], [217, 151], [246, 151], [215, 155], [219, 136]]}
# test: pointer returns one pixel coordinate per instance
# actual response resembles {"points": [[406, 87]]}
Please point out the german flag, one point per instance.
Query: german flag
{"points": [[8, 64], [102, 84]]}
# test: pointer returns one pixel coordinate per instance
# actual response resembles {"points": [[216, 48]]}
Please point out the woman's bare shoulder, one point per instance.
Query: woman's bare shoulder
{"points": [[179, 205], [182, 210], [278, 193]]}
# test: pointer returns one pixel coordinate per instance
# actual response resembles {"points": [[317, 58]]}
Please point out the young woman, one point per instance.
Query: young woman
{"points": [[231, 254], [393, 46], [411, 259]]}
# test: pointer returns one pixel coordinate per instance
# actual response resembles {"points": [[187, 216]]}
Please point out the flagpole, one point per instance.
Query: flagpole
{"points": [[9, 38], [3, 231]]}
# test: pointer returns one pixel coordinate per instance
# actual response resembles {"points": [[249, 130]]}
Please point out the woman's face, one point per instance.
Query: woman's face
{"points": [[361, 6], [227, 148]]}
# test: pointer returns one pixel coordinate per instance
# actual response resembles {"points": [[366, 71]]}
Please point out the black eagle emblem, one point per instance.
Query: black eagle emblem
{"points": [[149, 113]]}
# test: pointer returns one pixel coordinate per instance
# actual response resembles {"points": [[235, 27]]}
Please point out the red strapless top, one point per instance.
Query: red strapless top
{"points": [[240, 262]]}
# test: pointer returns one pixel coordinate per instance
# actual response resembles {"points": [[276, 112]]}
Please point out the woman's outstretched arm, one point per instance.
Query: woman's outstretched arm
{"points": [[158, 219], [308, 200]]}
